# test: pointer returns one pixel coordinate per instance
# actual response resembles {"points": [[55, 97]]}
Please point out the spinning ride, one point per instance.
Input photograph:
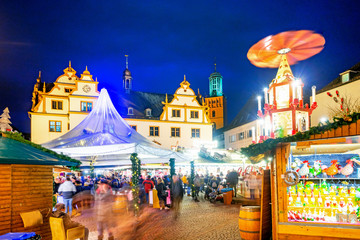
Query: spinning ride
{"points": [[284, 109]]}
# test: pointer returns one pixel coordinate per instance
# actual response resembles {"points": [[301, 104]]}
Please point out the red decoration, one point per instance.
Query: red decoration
{"points": [[329, 94], [337, 93]]}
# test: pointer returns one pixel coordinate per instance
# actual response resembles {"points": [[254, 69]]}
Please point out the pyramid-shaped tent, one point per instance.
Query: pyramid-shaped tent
{"points": [[104, 136]]}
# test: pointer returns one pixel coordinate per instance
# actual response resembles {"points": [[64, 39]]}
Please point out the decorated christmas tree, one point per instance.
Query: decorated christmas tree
{"points": [[4, 121]]}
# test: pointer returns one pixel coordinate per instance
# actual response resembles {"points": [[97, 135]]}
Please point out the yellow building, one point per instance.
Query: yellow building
{"points": [[60, 106]]}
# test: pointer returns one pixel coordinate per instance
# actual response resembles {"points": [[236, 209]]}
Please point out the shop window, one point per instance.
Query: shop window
{"points": [[175, 132], [133, 127], [176, 113], [195, 133], [154, 131], [194, 114], [86, 106], [55, 126], [56, 105]]}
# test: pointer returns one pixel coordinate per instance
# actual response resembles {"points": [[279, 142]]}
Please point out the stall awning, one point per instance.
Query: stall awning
{"points": [[14, 152]]}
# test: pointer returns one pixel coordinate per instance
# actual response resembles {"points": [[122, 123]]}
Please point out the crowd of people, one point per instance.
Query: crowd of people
{"points": [[105, 189]]}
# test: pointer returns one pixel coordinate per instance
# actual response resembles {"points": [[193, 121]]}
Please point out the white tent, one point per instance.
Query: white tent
{"points": [[105, 137]]}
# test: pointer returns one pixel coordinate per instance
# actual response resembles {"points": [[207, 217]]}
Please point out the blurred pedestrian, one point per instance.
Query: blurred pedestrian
{"points": [[104, 203], [177, 193]]}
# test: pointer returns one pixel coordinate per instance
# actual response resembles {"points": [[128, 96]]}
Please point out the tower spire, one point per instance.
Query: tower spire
{"points": [[39, 74], [215, 64], [69, 64], [127, 61]]}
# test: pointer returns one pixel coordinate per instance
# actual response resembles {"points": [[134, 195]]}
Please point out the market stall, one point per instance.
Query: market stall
{"points": [[317, 189]]}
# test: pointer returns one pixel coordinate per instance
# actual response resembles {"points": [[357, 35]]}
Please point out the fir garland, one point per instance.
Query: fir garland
{"points": [[269, 144], [18, 137], [136, 168], [172, 168], [192, 178]]}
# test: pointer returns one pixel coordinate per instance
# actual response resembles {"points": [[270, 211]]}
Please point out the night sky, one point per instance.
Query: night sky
{"points": [[164, 41]]}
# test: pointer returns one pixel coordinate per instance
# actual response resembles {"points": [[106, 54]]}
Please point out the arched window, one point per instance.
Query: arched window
{"points": [[213, 113], [127, 83], [130, 111], [148, 112]]}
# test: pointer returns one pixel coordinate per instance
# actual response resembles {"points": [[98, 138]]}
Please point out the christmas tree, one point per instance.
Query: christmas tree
{"points": [[4, 121]]}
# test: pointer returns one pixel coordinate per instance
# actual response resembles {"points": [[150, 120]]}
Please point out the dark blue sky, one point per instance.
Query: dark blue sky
{"points": [[164, 41]]}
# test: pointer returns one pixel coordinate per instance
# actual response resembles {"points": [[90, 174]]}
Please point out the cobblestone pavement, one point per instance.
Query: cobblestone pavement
{"points": [[201, 220]]}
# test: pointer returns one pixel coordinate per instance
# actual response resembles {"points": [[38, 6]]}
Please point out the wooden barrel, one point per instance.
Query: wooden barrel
{"points": [[249, 222], [120, 204]]}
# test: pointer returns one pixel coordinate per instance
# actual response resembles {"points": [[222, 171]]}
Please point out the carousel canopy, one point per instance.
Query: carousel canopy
{"points": [[105, 138]]}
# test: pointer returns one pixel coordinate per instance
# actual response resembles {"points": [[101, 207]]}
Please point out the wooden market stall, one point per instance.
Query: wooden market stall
{"points": [[26, 185], [315, 186]]}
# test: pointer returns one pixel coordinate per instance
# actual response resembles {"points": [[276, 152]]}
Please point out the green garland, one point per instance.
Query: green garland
{"points": [[18, 137], [136, 168], [172, 168], [192, 178], [269, 144]]}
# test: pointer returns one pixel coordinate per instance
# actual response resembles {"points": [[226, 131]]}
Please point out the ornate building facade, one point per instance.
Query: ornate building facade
{"points": [[179, 120], [60, 106]]}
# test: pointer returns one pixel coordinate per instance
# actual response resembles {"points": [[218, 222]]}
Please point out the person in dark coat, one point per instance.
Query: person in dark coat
{"points": [[162, 194], [177, 193]]}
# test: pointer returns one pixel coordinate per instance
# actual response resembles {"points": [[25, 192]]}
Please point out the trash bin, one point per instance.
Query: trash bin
{"points": [[228, 197]]}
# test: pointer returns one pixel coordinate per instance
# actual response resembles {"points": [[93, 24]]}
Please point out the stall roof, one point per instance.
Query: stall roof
{"points": [[15, 152]]}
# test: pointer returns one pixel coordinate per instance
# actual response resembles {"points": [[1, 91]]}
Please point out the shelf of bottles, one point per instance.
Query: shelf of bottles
{"points": [[328, 190]]}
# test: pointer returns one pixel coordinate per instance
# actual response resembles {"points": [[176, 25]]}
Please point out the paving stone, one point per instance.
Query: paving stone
{"points": [[200, 221]]}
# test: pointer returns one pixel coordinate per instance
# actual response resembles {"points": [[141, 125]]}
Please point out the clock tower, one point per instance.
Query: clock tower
{"points": [[216, 102]]}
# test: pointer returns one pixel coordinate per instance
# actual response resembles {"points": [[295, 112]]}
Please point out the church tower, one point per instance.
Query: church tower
{"points": [[127, 78], [216, 102]]}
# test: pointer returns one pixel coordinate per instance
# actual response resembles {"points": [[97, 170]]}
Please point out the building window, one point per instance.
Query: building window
{"points": [[195, 133], [67, 90], [127, 84], [55, 126], [130, 111], [175, 113], [86, 106], [249, 133], [56, 105], [154, 131], [148, 112], [194, 114], [241, 136], [345, 78], [232, 138], [175, 132], [213, 113], [133, 127]]}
